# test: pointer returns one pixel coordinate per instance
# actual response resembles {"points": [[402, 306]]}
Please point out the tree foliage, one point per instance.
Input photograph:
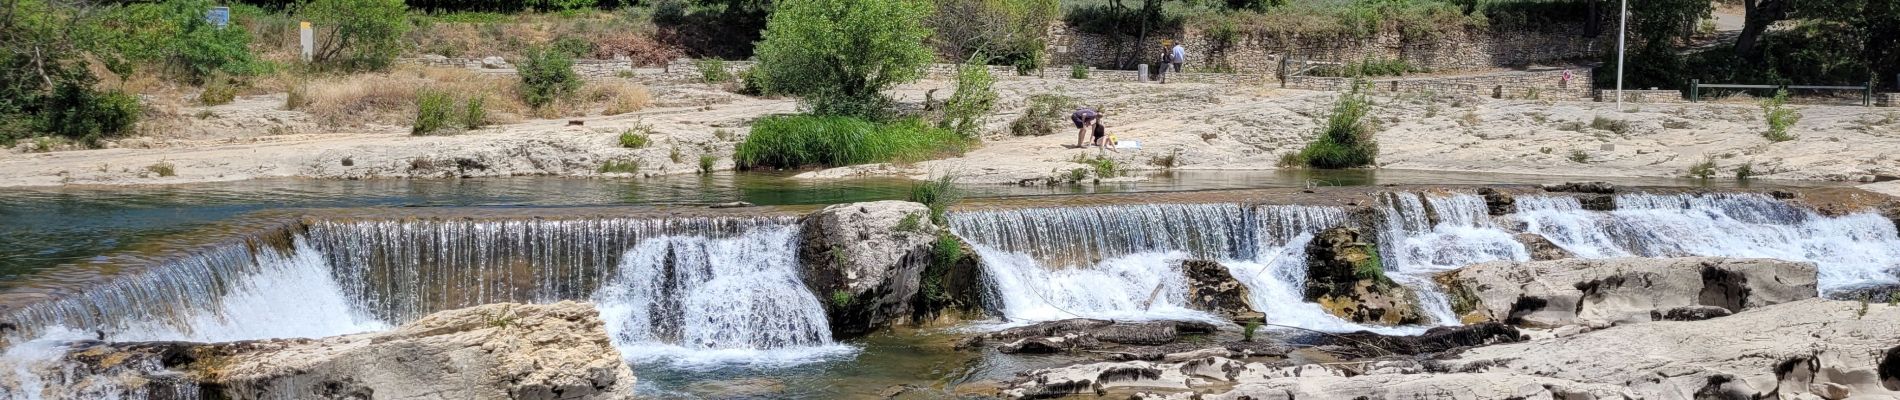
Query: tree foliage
{"points": [[45, 84], [973, 100], [1010, 32], [357, 34], [839, 55], [546, 75]]}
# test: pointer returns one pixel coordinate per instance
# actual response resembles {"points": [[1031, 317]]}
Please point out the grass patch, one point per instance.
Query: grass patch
{"points": [[706, 163], [712, 70], [637, 137], [1612, 125], [1346, 141], [1102, 166], [620, 96], [795, 141], [937, 194], [1369, 68], [1703, 170], [911, 223], [620, 166], [1780, 117], [1044, 114], [1745, 171], [1169, 161], [1078, 71], [162, 169]]}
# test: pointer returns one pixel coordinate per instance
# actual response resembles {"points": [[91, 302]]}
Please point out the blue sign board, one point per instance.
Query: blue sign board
{"points": [[219, 16]]}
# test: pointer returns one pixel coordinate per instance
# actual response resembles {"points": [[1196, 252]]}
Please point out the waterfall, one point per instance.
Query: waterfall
{"points": [[697, 299], [401, 270], [1124, 262], [1423, 234], [1850, 250]]}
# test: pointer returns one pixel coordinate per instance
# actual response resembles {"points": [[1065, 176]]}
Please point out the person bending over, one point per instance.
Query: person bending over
{"points": [[1086, 119]]}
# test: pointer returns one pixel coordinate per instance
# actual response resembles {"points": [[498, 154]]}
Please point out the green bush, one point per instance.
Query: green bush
{"points": [[793, 141], [712, 70], [1078, 71], [1346, 141], [620, 166], [196, 50], [1102, 166], [1745, 171], [839, 55], [999, 32], [546, 76], [78, 112], [219, 89], [572, 47], [1779, 116], [973, 100], [434, 113], [635, 137], [1612, 125], [1045, 113], [706, 162], [1703, 170], [474, 114], [357, 34]]}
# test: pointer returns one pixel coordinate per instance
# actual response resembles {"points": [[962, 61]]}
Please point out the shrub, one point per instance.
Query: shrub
{"points": [[1346, 141], [297, 96], [839, 55], [1102, 166], [636, 137], [620, 166], [1291, 159], [937, 194], [1703, 170], [1078, 71], [76, 111], [357, 34], [1045, 113], [193, 48], [162, 169], [1745, 171], [546, 76], [712, 70], [1779, 116], [572, 47], [434, 112], [474, 113], [1005, 32], [793, 141], [219, 89], [706, 162], [1578, 156], [1612, 125], [973, 100]]}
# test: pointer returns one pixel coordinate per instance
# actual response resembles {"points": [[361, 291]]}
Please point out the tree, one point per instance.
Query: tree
{"points": [[1010, 31], [358, 34], [45, 85], [839, 55]]}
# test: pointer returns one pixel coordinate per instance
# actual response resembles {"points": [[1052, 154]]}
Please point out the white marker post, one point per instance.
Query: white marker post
{"points": [[309, 40], [1621, 30]]}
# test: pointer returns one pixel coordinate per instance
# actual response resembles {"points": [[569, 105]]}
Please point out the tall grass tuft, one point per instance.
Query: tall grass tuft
{"points": [[794, 141], [1780, 117], [938, 194], [1347, 140]]}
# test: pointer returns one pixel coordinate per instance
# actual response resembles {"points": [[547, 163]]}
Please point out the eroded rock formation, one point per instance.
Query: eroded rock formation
{"points": [[1600, 293], [496, 351], [1345, 276], [1212, 288], [866, 261]]}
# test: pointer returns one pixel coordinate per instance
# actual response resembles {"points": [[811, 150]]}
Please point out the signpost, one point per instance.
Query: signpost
{"points": [[219, 17], [308, 38]]}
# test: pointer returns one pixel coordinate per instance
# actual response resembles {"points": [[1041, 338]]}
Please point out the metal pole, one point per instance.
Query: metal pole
{"points": [[1695, 90], [1621, 30]]}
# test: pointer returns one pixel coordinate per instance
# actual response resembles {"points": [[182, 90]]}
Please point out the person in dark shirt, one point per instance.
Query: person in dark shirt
{"points": [[1087, 119]]}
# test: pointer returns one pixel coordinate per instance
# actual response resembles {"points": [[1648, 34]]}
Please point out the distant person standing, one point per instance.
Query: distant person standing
{"points": [[1161, 69], [1086, 119], [1177, 55]]}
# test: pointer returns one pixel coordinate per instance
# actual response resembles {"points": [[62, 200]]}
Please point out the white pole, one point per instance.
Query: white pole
{"points": [[1621, 28]]}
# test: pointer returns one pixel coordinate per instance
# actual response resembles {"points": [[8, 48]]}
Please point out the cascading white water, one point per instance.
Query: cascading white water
{"points": [[1850, 250], [697, 300], [1124, 262], [1424, 234]]}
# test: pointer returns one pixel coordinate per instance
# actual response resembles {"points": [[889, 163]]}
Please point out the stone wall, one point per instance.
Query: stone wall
{"points": [[1472, 49], [1548, 84]]}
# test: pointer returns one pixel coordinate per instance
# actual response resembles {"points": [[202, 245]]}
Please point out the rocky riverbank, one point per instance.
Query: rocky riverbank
{"points": [[1180, 126]]}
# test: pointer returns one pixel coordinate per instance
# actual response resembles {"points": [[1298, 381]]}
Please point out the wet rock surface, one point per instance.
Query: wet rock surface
{"points": [[1087, 334], [1581, 187], [1498, 203], [1604, 292], [1345, 276], [1541, 248], [497, 351], [1212, 288], [865, 261]]}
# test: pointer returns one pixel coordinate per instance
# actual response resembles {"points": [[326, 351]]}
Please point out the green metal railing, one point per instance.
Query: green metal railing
{"points": [[1696, 85]]}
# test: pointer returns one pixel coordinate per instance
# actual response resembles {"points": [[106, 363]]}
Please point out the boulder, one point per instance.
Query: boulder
{"points": [[1498, 203], [1087, 334], [1436, 340], [1873, 293], [1550, 294], [866, 261], [495, 62], [1344, 275], [1541, 248], [496, 351], [1212, 288], [1582, 187]]}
